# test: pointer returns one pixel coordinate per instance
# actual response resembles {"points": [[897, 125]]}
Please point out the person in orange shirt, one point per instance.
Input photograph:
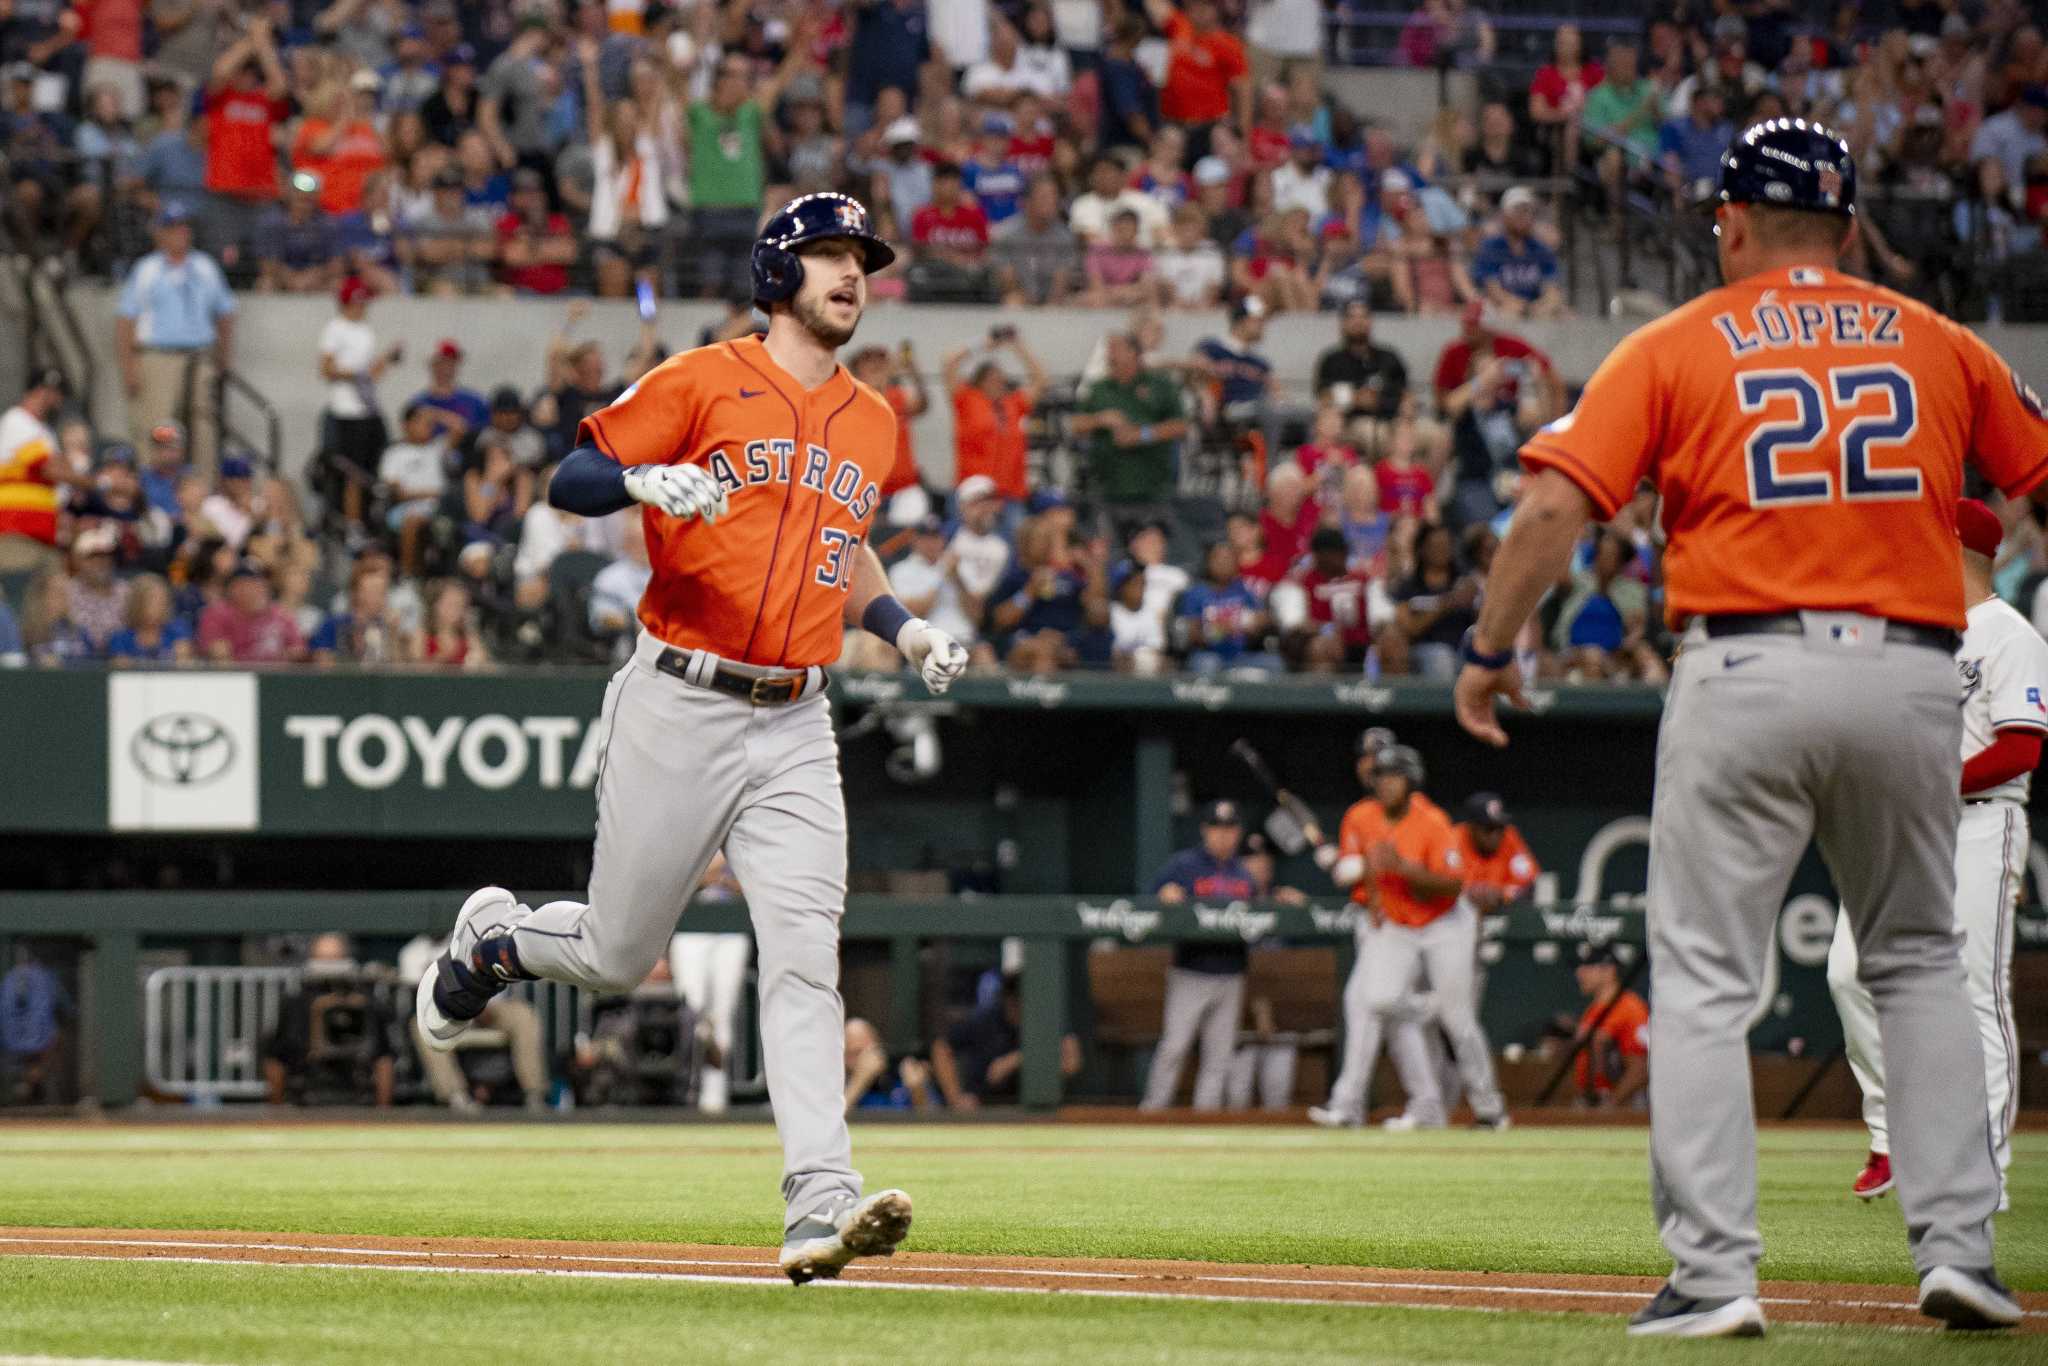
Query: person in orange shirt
{"points": [[1498, 865], [989, 435], [757, 465], [1807, 432], [1207, 72], [1614, 1067], [31, 468], [341, 144], [895, 379], [1401, 862]]}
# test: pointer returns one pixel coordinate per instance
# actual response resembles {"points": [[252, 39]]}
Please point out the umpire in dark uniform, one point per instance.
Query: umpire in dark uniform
{"points": [[1205, 986]]}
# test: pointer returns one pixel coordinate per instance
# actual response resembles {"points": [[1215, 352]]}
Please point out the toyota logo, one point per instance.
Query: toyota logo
{"points": [[182, 749]]}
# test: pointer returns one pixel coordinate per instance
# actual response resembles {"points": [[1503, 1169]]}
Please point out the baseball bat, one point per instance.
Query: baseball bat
{"points": [[1255, 762]]}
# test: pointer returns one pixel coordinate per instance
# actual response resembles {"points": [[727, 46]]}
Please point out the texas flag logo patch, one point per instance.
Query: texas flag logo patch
{"points": [[2034, 701]]}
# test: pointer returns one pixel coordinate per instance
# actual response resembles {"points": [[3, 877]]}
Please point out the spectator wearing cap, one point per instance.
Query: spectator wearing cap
{"points": [[98, 604], [1120, 270], [815, 155], [1129, 101], [411, 77], [989, 414], [296, 246], [443, 391], [1328, 609], [414, 475], [352, 422], [244, 626], [230, 510], [1052, 607], [1219, 620], [341, 143], [535, 245], [1207, 74], [173, 164], [164, 467], [1137, 630], [450, 109], [447, 243], [990, 175], [173, 333], [1518, 271], [903, 180], [1689, 148], [1357, 375], [1216, 194], [1303, 181], [1241, 376], [1134, 420], [1498, 867], [31, 469], [981, 552], [1205, 985], [1037, 256], [115, 500], [153, 632], [727, 160], [931, 585], [1613, 1069], [2016, 135], [245, 106], [1090, 213]]}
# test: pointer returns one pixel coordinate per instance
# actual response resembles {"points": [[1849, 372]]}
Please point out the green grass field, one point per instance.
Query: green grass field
{"points": [[1547, 1201]]}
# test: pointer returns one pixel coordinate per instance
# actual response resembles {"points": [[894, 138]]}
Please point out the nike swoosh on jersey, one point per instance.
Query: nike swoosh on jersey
{"points": [[1737, 661], [752, 393]]}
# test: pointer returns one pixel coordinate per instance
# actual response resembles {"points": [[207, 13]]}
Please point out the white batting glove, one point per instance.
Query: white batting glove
{"points": [[681, 491], [937, 657], [1326, 856]]}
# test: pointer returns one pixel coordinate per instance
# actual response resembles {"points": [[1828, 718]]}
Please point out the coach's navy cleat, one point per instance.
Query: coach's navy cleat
{"points": [[819, 1246], [478, 964], [1673, 1315], [1968, 1297]]}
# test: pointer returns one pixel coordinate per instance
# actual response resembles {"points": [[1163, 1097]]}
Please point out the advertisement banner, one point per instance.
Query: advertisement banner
{"points": [[182, 751]]}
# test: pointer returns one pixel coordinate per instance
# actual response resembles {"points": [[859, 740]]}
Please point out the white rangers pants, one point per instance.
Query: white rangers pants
{"points": [[1991, 859], [710, 970]]}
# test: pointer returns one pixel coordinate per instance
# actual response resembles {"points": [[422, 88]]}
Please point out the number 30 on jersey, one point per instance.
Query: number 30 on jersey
{"points": [[1816, 404]]}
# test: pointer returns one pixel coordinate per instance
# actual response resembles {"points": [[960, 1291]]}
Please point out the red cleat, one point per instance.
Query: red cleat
{"points": [[1875, 1178]]}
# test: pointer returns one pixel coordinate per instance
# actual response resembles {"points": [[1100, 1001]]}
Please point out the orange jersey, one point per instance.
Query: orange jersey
{"points": [[802, 471], [1422, 835], [1625, 1033], [1510, 867], [903, 471], [1807, 432]]}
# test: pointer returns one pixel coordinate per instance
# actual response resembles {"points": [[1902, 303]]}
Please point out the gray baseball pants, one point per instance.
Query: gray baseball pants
{"points": [[685, 772], [1769, 741], [1381, 996], [1204, 1005]]}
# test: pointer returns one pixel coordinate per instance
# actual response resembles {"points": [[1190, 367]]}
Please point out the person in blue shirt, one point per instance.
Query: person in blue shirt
{"points": [[444, 393], [1517, 272], [1130, 102], [891, 44], [164, 468], [1205, 986], [990, 175], [1219, 618], [153, 635], [1689, 149], [173, 331]]}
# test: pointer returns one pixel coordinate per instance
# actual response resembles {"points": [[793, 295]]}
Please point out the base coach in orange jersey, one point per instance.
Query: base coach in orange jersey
{"points": [[758, 464], [1807, 432]]}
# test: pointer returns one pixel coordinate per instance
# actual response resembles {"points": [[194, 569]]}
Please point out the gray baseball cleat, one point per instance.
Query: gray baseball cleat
{"points": [[452, 992], [1968, 1297], [1329, 1117], [1674, 1315], [822, 1244]]}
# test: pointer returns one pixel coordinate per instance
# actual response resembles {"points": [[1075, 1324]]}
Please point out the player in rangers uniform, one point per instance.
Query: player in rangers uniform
{"points": [[1401, 861], [2004, 663], [1807, 432], [759, 463]]}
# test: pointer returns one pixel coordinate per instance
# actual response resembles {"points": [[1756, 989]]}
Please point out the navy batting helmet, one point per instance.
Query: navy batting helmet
{"points": [[810, 218], [1400, 759], [1790, 164]]}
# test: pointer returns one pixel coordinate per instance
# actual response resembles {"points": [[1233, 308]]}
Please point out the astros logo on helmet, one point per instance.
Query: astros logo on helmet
{"points": [[809, 218]]}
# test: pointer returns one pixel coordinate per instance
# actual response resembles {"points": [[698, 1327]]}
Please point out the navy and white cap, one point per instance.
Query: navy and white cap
{"points": [[1222, 813], [1790, 164]]}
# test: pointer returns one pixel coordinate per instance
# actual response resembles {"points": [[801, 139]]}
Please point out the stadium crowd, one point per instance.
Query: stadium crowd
{"points": [[1157, 511]]}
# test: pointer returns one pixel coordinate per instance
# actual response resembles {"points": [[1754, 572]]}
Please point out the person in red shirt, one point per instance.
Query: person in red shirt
{"points": [[1615, 1065], [1559, 91], [1407, 488], [342, 145], [535, 246], [1457, 364], [952, 228], [989, 436], [246, 627], [1031, 145], [1326, 456], [1206, 71], [245, 102], [896, 380], [1323, 608]]}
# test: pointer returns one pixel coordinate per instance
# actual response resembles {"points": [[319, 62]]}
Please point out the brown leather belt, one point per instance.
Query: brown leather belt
{"points": [[778, 690]]}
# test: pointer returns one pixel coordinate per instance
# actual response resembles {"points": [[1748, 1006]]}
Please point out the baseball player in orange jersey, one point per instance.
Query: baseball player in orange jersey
{"points": [[759, 463], [1498, 871], [1807, 431]]}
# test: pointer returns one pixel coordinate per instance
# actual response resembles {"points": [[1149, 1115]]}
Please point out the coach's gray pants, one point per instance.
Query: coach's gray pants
{"points": [[1768, 741], [1381, 996], [1204, 1005], [685, 772]]}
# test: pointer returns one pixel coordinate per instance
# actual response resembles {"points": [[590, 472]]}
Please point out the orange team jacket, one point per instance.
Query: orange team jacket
{"points": [[1422, 835], [1511, 867], [1624, 1033], [1807, 432], [766, 584]]}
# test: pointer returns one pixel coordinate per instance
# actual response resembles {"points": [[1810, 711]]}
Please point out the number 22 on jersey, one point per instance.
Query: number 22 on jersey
{"points": [[1804, 411]]}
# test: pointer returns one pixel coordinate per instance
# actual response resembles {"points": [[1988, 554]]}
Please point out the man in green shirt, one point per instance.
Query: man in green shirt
{"points": [[728, 166], [1134, 420], [1623, 107]]}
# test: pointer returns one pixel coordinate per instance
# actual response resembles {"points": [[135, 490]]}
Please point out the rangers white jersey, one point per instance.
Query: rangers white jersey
{"points": [[2004, 662]]}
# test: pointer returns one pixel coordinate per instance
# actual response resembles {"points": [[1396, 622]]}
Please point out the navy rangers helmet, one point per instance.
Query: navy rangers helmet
{"points": [[810, 218], [1790, 164], [1400, 759]]}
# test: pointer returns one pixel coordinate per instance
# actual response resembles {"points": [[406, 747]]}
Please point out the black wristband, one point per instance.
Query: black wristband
{"points": [[1469, 651]]}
